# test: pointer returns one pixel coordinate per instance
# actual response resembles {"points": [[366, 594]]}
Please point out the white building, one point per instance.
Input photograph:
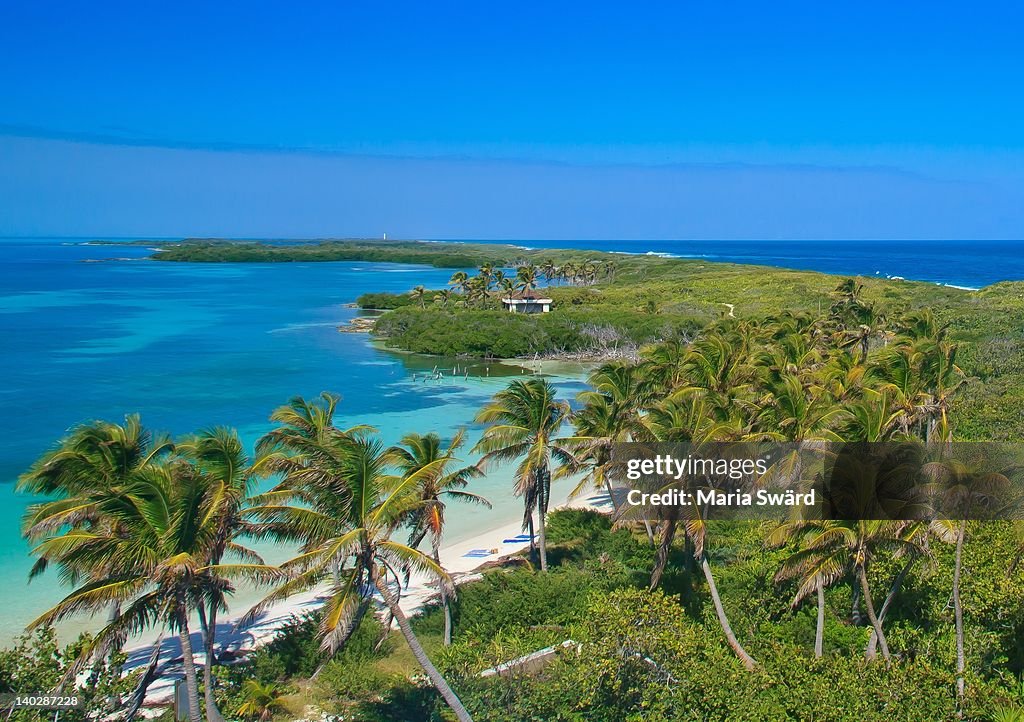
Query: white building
{"points": [[527, 303]]}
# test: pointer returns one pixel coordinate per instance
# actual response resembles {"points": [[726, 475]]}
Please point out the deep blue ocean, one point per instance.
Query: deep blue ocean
{"points": [[971, 264], [195, 345]]}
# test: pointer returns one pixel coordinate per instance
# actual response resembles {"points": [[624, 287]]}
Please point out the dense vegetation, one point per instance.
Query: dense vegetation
{"points": [[595, 594], [679, 619], [463, 255]]}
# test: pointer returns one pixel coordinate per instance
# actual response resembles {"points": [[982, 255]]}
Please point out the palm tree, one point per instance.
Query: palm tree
{"points": [[942, 378], [870, 418], [94, 459], [832, 549], [689, 415], [568, 272], [921, 374], [811, 573], [498, 279], [155, 555], [960, 489], [260, 701], [855, 321], [862, 322], [609, 413], [420, 295], [486, 276], [696, 526], [663, 364], [588, 270], [218, 454], [524, 421], [458, 280], [475, 290], [795, 411], [526, 278], [608, 270], [337, 499], [549, 270], [422, 456]]}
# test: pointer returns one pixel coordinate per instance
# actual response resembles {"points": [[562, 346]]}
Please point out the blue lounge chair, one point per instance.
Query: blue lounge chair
{"points": [[522, 538], [477, 553]]}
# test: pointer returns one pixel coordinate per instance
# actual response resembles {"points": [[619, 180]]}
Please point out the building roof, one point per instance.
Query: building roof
{"points": [[525, 297]]}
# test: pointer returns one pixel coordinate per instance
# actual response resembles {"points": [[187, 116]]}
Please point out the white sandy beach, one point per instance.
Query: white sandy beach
{"points": [[455, 558]]}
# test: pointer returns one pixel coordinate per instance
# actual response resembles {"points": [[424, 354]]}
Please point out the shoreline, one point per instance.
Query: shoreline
{"points": [[456, 558]]}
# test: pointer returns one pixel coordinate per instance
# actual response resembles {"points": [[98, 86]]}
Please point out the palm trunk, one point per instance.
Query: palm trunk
{"points": [[149, 674], [650, 532], [610, 488], [896, 584], [542, 540], [730, 637], [204, 627], [212, 713], [534, 557], [191, 681], [668, 534], [958, 611], [855, 617], [418, 539], [443, 588], [819, 632], [108, 651], [863, 575], [542, 512], [421, 656]]}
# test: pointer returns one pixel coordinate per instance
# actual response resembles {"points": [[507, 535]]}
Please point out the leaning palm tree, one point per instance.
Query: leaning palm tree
{"points": [[338, 500], [690, 416], [438, 481], [523, 423], [961, 489]]}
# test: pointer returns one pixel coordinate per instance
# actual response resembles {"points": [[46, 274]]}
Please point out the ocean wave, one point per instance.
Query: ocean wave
{"points": [[658, 254]]}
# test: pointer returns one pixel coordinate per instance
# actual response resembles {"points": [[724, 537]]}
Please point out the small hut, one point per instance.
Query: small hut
{"points": [[526, 302]]}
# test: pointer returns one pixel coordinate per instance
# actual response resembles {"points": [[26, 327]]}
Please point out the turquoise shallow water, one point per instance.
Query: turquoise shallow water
{"points": [[193, 345]]}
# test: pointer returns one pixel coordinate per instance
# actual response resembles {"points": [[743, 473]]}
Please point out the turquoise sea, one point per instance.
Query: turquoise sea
{"points": [[194, 345]]}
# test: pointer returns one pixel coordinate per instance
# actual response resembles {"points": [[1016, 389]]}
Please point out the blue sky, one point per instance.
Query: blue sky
{"points": [[513, 120]]}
